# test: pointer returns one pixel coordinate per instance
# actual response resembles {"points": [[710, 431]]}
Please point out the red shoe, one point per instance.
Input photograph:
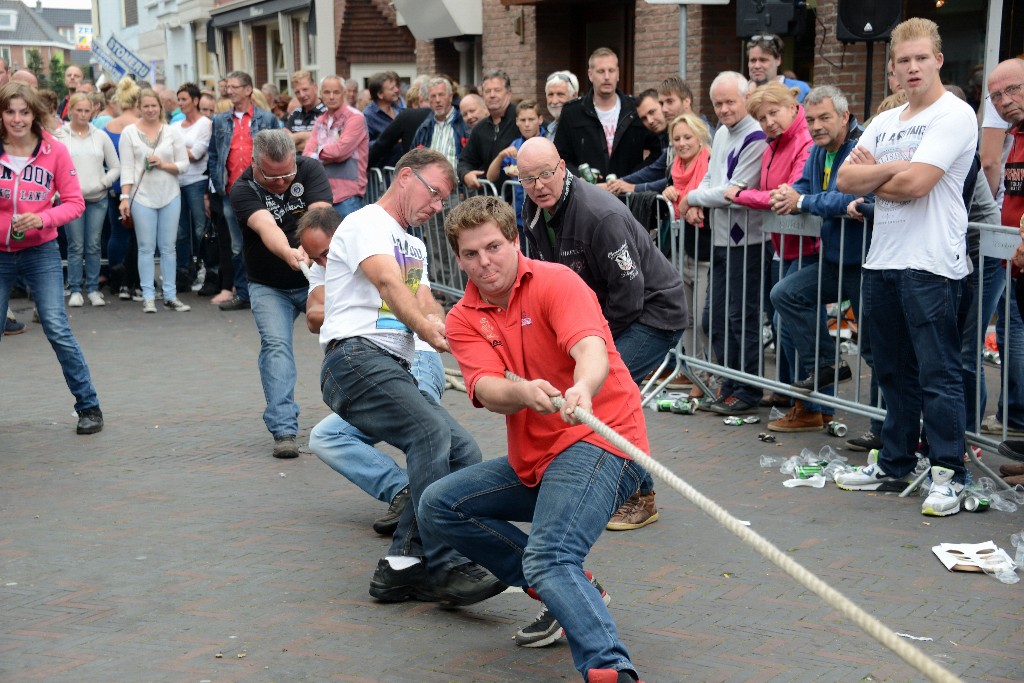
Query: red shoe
{"points": [[610, 676]]}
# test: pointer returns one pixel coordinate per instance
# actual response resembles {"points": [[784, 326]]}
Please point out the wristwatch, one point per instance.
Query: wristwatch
{"points": [[800, 203]]}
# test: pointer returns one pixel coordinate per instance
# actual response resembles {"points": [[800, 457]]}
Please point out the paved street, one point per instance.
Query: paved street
{"points": [[173, 547]]}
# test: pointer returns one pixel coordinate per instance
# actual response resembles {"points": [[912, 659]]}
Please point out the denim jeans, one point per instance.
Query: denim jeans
{"points": [[378, 396], [350, 452], [40, 267], [347, 206], [915, 339], [237, 261], [275, 311], [732, 316], [191, 222], [157, 228], [801, 316], [83, 235], [117, 243], [474, 510], [642, 348]]}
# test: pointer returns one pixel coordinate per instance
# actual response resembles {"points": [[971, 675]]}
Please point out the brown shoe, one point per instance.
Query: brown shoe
{"points": [[1014, 480], [638, 511], [1011, 470], [798, 420]]}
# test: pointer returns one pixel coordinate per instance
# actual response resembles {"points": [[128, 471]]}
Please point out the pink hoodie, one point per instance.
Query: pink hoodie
{"points": [[783, 162], [49, 172]]}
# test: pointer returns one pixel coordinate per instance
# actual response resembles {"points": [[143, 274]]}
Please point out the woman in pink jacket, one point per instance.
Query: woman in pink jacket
{"points": [[789, 144], [33, 168]]}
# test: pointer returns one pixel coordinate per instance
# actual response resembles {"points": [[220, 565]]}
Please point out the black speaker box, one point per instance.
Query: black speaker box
{"points": [[860, 21], [779, 17]]}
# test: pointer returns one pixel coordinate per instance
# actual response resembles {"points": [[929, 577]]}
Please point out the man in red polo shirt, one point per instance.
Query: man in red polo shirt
{"points": [[542, 322]]}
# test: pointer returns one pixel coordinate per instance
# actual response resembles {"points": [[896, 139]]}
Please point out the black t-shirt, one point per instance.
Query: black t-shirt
{"points": [[301, 120], [247, 197]]}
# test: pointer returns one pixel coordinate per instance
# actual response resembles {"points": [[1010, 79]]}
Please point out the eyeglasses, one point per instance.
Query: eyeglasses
{"points": [[530, 181], [1007, 92], [434, 194], [271, 178], [765, 38]]}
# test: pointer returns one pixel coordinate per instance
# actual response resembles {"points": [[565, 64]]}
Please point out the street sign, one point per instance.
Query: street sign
{"points": [[128, 59]]}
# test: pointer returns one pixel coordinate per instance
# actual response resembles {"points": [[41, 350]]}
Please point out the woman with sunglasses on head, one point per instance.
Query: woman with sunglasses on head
{"points": [[152, 156], [36, 168], [764, 57]]}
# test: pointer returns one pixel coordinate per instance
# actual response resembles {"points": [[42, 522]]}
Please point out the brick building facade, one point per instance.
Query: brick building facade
{"points": [[532, 38]]}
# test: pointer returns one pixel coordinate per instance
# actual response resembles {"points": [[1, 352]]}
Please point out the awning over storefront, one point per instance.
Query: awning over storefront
{"points": [[254, 11], [430, 19]]}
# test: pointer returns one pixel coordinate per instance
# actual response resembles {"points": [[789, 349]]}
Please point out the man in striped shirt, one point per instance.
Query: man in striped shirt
{"points": [[444, 131]]}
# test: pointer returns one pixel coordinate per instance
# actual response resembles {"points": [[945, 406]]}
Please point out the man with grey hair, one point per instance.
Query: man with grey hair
{"points": [[733, 321], [444, 130], [796, 297], [229, 154], [269, 198], [492, 134], [561, 87]]}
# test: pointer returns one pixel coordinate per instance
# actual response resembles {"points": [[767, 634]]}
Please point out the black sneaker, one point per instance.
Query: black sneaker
{"points": [[399, 585], [90, 421], [545, 629], [825, 377], [467, 584], [237, 303], [386, 525], [285, 446], [865, 442], [732, 405], [210, 286], [1012, 449]]}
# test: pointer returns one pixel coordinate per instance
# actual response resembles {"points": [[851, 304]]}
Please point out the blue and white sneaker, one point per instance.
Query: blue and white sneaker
{"points": [[944, 494], [871, 477]]}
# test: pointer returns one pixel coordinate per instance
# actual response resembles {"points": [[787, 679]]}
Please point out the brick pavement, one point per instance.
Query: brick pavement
{"points": [[172, 537]]}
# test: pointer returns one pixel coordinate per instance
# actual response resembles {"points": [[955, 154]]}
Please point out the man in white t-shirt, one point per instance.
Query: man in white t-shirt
{"points": [[377, 294], [915, 159]]}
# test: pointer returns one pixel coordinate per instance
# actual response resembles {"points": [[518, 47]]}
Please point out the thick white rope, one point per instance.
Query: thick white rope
{"points": [[870, 625]]}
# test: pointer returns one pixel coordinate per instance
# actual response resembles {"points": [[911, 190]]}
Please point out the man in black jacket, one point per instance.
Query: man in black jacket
{"points": [[641, 295], [602, 128], [491, 135]]}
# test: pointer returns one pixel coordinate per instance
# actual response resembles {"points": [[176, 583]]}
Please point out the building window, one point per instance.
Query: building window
{"points": [[8, 20], [131, 12]]}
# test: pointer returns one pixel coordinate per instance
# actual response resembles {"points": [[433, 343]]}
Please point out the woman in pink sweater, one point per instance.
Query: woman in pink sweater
{"points": [[34, 167]]}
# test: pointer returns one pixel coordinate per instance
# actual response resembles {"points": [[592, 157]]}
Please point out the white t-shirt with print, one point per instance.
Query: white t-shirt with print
{"points": [[352, 305], [928, 233], [609, 122]]}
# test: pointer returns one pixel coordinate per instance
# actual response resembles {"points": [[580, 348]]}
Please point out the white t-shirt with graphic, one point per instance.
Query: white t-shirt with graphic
{"points": [[609, 122], [928, 233], [353, 307]]}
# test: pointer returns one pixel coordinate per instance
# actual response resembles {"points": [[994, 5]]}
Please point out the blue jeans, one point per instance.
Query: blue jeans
{"points": [[642, 348], [157, 228], [799, 307], [275, 311], [117, 243], [347, 206], [191, 223], [350, 452], [474, 510], [915, 338], [83, 235], [378, 396], [40, 267], [237, 261]]}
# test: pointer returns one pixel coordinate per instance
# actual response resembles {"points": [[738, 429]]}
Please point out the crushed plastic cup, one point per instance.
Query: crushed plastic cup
{"points": [[771, 461], [816, 481], [835, 466], [775, 414], [986, 484], [828, 454], [999, 568], [1017, 492], [998, 502], [790, 465]]}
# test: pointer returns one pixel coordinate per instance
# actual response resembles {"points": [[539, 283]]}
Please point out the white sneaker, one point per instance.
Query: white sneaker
{"points": [[149, 306], [943, 495], [75, 300], [177, 306], [96, 299], [871, 477]]}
